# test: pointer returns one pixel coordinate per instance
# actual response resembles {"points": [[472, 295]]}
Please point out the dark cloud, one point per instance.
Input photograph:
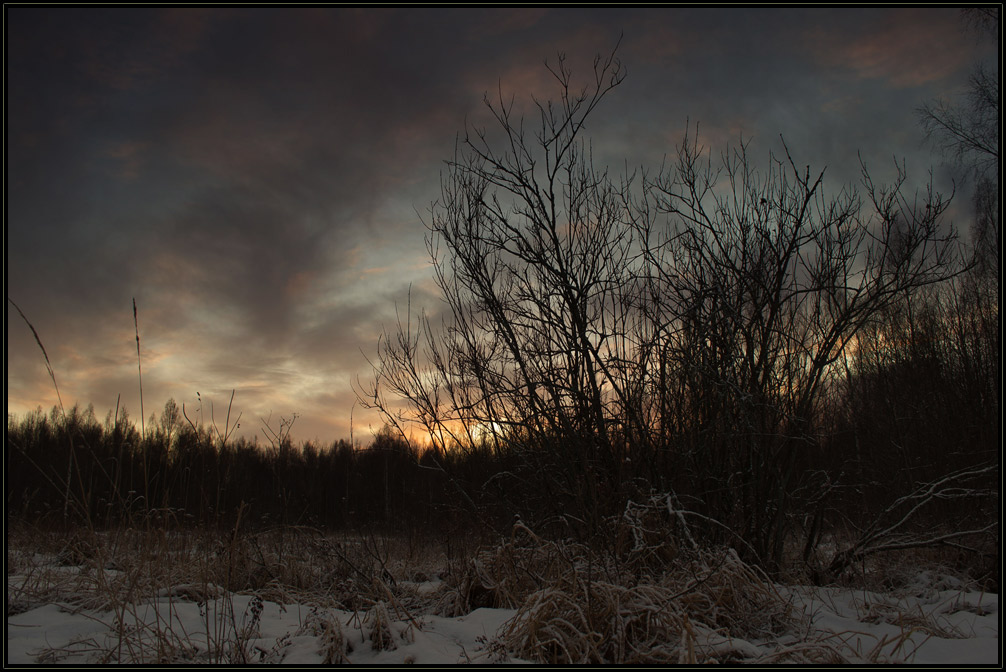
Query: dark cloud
{"points": [[252, 176]]}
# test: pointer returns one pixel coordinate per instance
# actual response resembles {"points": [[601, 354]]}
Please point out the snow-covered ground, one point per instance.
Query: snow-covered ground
{"points": [[182, 631], [150, 596], [933, 623], [924, 626]]}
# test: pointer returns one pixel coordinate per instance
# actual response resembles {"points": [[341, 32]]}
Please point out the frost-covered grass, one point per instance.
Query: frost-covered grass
{"points": [[296, 596]]}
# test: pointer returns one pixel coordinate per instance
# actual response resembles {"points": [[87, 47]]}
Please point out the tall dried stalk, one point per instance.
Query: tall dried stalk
{"points": [[62, 410]]}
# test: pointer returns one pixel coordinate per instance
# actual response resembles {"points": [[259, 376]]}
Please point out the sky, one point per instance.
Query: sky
{"points": [[256, 178]]}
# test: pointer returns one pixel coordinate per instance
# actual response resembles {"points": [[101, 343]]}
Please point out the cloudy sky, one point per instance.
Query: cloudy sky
{"points": [[255, 177]]}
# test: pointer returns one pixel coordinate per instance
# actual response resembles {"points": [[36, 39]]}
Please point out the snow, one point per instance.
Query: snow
{"points": [[73, 615], [930, 627], [202, 632]]}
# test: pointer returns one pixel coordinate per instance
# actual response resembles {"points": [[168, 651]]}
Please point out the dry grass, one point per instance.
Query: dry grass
{"points": [[118, 574], [502, 576], [288, 565], [577, 613], [651, 598], [659, 599], [654, 601], [327, 627]]}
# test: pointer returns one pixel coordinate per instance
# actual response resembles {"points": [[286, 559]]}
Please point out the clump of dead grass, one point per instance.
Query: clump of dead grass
{"points": [[504, 575], [685, 615], [326, 626], [654, 597], [381, 637], [658, 598]]}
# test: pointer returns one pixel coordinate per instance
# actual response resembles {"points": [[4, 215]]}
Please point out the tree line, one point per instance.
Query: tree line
{"points": [[72, 469]]}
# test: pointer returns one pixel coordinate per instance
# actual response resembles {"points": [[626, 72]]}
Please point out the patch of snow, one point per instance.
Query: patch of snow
{"points": [[941, 627], [932, 622], [204, 631]]}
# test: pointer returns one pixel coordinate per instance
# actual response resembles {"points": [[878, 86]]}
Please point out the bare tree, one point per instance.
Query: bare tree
{"points": [[968, 132], [674, 332], [758, 288], [530, 253]]}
